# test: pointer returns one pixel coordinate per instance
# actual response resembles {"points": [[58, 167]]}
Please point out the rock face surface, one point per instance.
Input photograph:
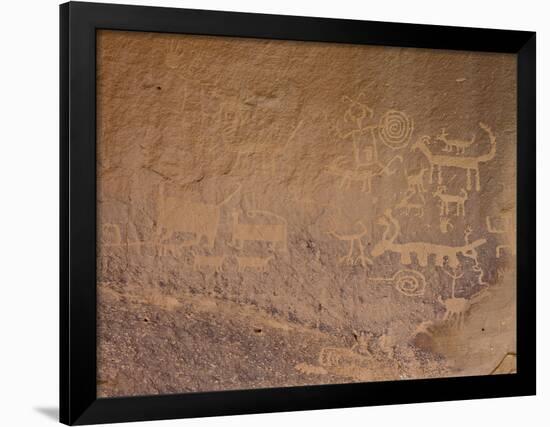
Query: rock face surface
{"points": [[278, 213]]}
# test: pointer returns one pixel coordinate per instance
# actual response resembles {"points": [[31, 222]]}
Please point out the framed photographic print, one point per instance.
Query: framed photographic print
{"points": [[273, 213]]}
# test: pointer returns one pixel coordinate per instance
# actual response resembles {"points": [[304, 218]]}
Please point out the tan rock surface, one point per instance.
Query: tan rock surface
{"points": [[276, 213]]}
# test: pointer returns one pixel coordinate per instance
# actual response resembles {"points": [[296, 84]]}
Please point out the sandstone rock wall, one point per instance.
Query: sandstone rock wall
{"points": [[277, 213]]}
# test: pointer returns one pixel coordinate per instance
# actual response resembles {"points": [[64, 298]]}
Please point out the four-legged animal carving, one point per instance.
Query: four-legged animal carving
{"points": [[447, 199], [415, 182], [200, 219], [469, 164], [422, 249], [271, 233], [354, 238], [450, 144], [457, 307], [213, 261], [409, 206]]}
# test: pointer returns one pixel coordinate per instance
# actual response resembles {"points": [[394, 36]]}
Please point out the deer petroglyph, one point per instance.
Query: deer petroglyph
{"points": [[446, 200]]}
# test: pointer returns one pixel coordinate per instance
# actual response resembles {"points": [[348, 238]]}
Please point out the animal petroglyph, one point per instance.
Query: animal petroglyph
{"points": [[409, 282], [350, 363], [415, 182], [409, 206], [395, 129], [446, 200], [254, 263], [469, 164], [341, 168], [353, 239], [450, 144], [472, 252], [180, 216], [212, 261], [252, 232], [333, 357], [422, 249], [506, 227], [457, 307]]}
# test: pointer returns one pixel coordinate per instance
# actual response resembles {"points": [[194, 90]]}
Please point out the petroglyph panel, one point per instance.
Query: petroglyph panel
{"points": [[277, 213]]}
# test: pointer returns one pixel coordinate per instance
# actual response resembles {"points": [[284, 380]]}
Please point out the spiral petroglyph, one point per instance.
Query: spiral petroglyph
{"points": [[276, 213], [409, 282], [396, 129]]}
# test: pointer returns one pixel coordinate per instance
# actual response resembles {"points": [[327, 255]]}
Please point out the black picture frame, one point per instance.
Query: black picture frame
{"points": [[78, 24]]}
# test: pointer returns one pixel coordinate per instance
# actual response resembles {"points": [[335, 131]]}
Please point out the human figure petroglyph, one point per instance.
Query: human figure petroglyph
{"points": [[422, 249], [212, 261], [180, 216], [356, 114], [415, 182], [264, 232], [357, 111], [353, 239], [505, 229], [459, 144], [410, 206], [469, 164], [341, 168], [411, 283], [253, 263], [446, 200]]}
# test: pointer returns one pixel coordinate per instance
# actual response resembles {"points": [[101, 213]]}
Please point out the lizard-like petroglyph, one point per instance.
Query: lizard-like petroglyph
{"points": [[422, 250]]}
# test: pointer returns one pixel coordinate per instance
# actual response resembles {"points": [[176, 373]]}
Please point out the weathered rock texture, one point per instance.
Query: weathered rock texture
{"points": [[276, 213]]}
